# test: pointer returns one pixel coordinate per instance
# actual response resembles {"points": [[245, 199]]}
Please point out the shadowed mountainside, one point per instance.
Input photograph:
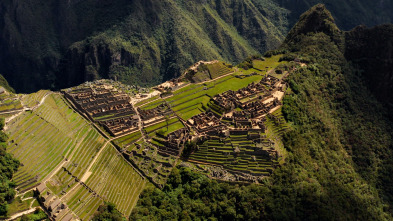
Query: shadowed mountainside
{"points": [[56, 44], [340, 152], [141, 41]]}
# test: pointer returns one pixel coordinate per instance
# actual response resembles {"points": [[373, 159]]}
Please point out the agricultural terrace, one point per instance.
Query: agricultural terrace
{"points": [[57, 146], [127, 142], [153, 164], [205, 71], [234, 117], [164, 121], [195, 100], [112, 179], [268, 64], [41, 139], [238, 153], [34, 99], [9, 102]]}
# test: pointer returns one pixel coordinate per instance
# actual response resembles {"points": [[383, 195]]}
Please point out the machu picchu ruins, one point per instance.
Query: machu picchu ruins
{"points": [[96, 132]]}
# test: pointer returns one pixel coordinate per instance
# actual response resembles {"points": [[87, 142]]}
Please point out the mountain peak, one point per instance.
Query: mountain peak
{"points": [[316, 19]]}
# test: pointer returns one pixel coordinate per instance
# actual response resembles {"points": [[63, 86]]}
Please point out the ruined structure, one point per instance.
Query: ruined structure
{"points": [[56, 209], [106, 105], [157, 112]]}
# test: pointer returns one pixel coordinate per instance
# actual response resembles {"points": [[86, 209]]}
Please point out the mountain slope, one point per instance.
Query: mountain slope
{"points": [[372, 50], [150, 40], [347, 14], [340, 147], [56, 44]]}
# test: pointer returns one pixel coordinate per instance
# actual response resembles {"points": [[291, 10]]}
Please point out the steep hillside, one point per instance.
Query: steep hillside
{"points": [[139, 40], [35, 35], [56, 44], [372, 50], [348, 14], [340, 147]]}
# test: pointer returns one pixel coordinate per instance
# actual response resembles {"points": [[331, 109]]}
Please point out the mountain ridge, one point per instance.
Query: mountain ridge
{"points": [[34, 46]]}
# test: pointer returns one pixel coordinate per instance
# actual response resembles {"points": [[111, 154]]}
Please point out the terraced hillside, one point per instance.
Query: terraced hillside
{"points": [[233, 118], [166, 126], [9, 103], [208, 71], [111, 179], [34, 99], [60, 148], [43, 138]]}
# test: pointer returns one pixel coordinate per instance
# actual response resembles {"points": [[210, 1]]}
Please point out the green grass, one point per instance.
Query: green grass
{"points": [[42, 137], [152, 104], [218, 69], [154, 127], [124, 183], [146, 101], [28, 194], [31, 100], [9, 102], [268, 64], [189, 113], [173, 127], [17, 205], [123, 141]]}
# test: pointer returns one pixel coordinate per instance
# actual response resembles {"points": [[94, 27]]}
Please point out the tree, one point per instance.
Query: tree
{"points": [[2, 123], [108, 212]]}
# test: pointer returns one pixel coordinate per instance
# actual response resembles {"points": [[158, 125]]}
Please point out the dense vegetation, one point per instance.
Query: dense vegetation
{"points": [[8, 165], [4, 83], [340, 151], [192, 196], [140, 41], [56, 44], [38, 215], [108, 212], [348, 14]]}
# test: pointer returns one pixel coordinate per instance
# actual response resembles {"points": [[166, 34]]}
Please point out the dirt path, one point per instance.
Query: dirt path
{"points": [[195, 66], [21, 214], [88, 173], [203, 82], [41, 101], [25, 109]]}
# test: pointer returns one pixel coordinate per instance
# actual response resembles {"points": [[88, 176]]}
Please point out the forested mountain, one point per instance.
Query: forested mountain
{"points": [[337, 109], [63, 43], [340, 148], [8, 165], [347, 14], [55, 44]]}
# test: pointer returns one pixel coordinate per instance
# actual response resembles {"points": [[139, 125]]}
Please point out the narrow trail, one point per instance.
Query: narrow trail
{"points": [[42, 100], [19, 112], [203, 82], [22, 213], [87, 174]]}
